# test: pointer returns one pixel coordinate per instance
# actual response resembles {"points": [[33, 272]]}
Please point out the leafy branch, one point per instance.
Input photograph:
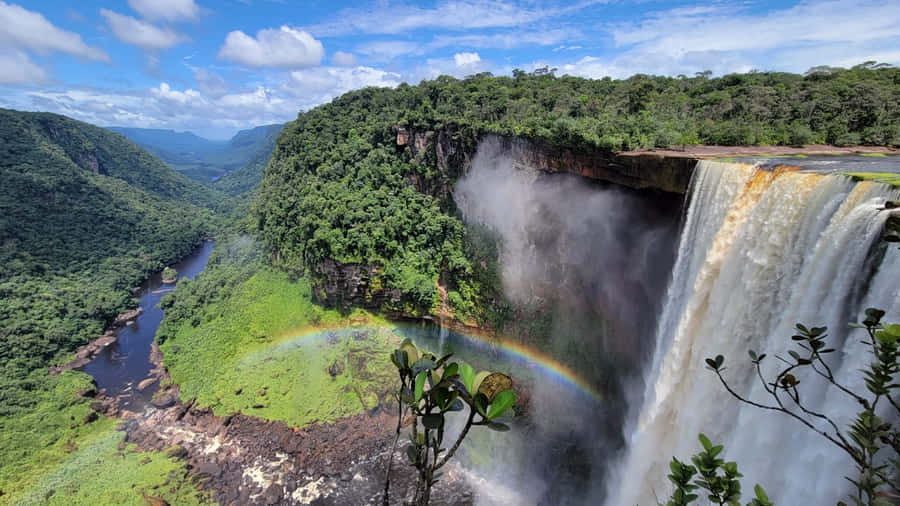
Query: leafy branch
{"points": [[872, 443], [430, 388]]}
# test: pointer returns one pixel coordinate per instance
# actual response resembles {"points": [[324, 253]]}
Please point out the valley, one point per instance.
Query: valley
{"points": [[593, 243]]}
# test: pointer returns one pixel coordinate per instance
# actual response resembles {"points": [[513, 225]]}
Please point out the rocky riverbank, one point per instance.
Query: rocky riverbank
{"points": [[87, 352], [247, 460]]}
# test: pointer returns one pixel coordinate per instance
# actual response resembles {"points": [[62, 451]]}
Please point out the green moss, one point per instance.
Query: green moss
{"points": [[268, 353], [53, 447], [875, 155], [890, 178]]}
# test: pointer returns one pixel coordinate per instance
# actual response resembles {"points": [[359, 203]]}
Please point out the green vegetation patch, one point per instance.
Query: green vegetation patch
{"points": [[890, 178], [263, 348], [59, 453]]}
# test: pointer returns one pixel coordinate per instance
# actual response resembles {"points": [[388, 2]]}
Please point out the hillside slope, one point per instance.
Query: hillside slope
{"points": [[84, 216]]}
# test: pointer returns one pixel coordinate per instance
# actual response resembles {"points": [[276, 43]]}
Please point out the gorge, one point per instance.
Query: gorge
{"points": [[522, 223]]}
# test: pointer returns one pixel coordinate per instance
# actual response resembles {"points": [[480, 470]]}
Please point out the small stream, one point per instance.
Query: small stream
{"points": [[121, 366]]}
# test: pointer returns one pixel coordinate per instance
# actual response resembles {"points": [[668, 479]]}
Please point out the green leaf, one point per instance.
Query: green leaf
{"points": [[502, 402], [420, 385], [497, 426], [452, 369], [760, 494], [412, 453], [467, 375], [410, 349], [707, 445]]}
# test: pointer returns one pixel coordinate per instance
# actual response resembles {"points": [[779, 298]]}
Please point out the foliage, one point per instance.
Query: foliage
{"points": [[54, 453], [169, 273], [339, 187], [871, 441], [244, 338], [720, 479], [430, 388], [85, 216]]}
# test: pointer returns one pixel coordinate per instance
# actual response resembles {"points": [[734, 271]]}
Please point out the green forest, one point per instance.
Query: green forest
{"points": [[85, 216], [337, 186]]}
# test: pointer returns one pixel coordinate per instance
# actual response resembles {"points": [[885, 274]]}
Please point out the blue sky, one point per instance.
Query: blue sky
{"points": [[216, 67]]}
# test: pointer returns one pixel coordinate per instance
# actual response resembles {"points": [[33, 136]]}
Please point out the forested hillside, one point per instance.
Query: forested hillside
{"points": [[338, 189], [85, 215], [205, 160]]}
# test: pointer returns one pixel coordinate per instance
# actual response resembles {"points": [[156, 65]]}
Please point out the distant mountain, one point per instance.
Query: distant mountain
{"points": [[259, 141], [204, 159]]}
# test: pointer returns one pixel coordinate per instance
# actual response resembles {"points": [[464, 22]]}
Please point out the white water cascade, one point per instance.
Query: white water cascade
{"points": [[760, 251]]}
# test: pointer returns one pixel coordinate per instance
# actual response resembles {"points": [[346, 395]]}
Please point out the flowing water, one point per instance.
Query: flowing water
{"points": [[122, 365], [759, 251]]}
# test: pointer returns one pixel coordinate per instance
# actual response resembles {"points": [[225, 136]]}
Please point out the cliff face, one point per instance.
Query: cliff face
{"points": [[351, 285], [635, 170]]}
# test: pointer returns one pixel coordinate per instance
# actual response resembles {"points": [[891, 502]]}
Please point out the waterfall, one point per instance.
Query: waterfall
{"points": [[759, 251]]}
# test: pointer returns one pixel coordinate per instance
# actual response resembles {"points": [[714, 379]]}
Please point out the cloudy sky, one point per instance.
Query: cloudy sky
{"points": [[214, 67]]}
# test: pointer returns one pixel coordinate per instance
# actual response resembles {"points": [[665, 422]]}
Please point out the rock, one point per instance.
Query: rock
{"points": [[164, 400], [208, 470], [273, 494], [91, 417], [145, 383]]}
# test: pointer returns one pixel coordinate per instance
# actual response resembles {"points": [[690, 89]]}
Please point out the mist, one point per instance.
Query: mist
{"points": [[585, 267]]}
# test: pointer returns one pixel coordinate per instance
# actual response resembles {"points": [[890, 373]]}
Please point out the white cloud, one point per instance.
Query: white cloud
{"points": [[16, 68], [466, 59], [140, 33], [21, 28], [342, 59], [169, 10], [165, 106], [728, 38], [273, 47], [450, 15], [319, 85], [209, 83], [387, 50]]}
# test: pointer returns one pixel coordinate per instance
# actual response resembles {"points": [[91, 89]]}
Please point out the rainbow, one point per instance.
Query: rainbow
{"points": [[549, 366]]}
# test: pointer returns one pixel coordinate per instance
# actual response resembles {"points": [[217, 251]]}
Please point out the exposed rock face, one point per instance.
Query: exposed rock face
{"points": [[644, 170], [345, 285]]}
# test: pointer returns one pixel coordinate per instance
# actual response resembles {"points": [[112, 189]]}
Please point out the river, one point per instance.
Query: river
{"points": [[121, 366]]}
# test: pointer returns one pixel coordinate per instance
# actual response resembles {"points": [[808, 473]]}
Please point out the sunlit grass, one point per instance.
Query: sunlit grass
{"points": [[51, 454], [263, 355]]}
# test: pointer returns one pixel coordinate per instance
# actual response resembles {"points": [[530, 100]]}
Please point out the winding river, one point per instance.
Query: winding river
{"points": [[121, 366]]}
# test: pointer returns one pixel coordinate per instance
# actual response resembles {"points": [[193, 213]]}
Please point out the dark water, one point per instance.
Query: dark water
{"points": [[121, 366]]}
